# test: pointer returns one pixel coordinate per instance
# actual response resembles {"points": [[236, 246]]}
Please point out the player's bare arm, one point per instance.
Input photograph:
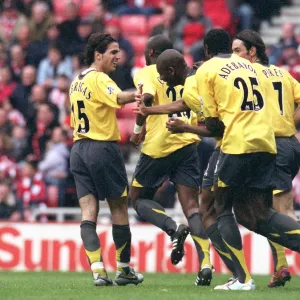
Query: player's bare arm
{"points": [[170, 108], [137, 136], [129, 97], [215, 126], [179, 126]]}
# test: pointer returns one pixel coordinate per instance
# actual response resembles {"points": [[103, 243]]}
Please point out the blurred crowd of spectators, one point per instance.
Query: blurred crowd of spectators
{"points": [[41, 45]]}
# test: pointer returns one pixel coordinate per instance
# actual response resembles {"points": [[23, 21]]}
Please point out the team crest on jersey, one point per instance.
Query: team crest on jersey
{"points": [[110, 90]]}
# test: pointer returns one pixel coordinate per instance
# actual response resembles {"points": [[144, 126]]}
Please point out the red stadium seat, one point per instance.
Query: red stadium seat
{"points": [[189, 59], [138, 43], [86, 7], [139, 61], [153, 21], [133, 25], [126, 112], [126, 129], [59, 6], [220, 17]]}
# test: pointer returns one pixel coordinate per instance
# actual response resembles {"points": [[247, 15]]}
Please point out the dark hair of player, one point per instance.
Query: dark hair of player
{"points": [[217, 41], [97, 42], [251, 38], [159, 43]]}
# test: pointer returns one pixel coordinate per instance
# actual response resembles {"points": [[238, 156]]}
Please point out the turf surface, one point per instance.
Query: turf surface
{"points": [[19, 285]]}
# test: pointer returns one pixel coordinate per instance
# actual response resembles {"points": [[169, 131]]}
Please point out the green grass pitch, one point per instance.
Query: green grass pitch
{"points": [[42, 286]]}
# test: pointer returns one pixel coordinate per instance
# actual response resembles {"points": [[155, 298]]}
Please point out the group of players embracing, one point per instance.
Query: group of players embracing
{"points": [[235, 96]]}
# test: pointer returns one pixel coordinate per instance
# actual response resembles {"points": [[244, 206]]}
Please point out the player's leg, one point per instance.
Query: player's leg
{"points": [[231, 236], [188, 198], [149, 210], [89, 205], [209, 221], [186, 175], [231, 177], [150, 174], [122, 239], [208, 213], [286, 168], [113, 185]]}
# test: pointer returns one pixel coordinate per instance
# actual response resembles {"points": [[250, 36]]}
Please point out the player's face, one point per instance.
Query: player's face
{"points": [[239, 49], [110, 57], [167, 76]]}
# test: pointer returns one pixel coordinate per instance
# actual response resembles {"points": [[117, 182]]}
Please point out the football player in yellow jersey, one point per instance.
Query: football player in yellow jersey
{"points": [[230, 92], [282, 91], [96, 160], [164, 156], [174, 71]]}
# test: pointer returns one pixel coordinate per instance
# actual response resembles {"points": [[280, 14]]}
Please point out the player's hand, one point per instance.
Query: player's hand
{"points": [[140, 109], [175, 125], [138, 94], [136, 139]]}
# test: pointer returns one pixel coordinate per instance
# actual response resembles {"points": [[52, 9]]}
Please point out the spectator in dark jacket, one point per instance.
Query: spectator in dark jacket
{"points": [[20, 96]]}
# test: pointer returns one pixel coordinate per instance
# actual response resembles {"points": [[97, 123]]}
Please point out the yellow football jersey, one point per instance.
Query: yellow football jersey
{"points": [[192, 100], [159, 142], [282, 91], [229, 90], [93, 97]]}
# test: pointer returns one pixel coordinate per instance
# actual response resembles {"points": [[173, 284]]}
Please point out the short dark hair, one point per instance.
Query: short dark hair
{"points": [[97, 42], [217, 41], [159, 43], [251, 38]]}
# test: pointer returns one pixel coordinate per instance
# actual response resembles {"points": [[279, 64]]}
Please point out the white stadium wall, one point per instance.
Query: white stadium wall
{"points": [[58, 247]]}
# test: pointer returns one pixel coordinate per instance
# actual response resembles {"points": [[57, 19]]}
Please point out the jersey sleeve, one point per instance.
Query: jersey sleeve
{"points": [[191, 97], [296, 89], [206, 93], [109, 92], [145, 77]]}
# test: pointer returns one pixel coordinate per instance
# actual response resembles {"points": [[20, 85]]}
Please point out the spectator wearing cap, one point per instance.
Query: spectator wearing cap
{"points": [[191, 29], [53, 65], [113, 28], [40, 20], [10, 20]]}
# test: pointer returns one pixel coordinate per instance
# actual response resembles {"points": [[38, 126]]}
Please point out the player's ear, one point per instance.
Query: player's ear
{"points": [[252, 51], [97, 56], [171, 70], [151, 52]]}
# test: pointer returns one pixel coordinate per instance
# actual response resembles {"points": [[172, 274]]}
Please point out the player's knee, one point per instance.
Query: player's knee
{"points": [[246, 219]]}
